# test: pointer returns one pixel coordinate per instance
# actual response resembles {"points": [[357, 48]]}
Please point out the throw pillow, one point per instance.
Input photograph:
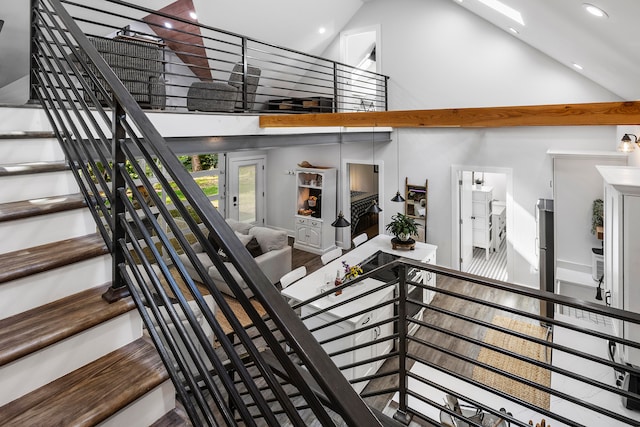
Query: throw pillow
{"points": [[254, 248], [269, 239], [239, 226]]}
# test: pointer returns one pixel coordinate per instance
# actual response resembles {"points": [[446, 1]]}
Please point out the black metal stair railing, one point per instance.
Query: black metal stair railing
{"points": [[478, 350], [220, 376], [195, 67]]}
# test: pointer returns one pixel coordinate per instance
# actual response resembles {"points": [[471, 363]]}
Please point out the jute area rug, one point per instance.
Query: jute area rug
{"points": [[512, 365]]}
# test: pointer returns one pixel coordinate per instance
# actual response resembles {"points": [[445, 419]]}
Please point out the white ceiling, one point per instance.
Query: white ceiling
{"points": [[608, 49]]}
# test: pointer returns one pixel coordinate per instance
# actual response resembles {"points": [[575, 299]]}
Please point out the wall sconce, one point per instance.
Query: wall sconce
{"points": [[626, 144]]}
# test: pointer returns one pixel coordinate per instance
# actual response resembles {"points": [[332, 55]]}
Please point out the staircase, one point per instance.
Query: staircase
{"points": [[67, 357]]}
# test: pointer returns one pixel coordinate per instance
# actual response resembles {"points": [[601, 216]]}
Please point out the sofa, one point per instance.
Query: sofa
{"points": [[270, 249], [224, 96]]}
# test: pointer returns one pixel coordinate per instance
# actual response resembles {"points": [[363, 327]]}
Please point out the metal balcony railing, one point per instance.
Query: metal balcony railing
{"points": [[434, 336], [175, 63]]}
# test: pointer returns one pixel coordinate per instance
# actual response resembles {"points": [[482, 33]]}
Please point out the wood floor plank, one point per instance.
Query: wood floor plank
{"points": [[25, 262], [92, 393], [35, 329]]}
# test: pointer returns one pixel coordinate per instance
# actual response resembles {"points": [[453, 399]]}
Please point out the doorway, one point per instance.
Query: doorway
{"points": [[360, 48], [245, 195], [482, 206], [362, 185]]}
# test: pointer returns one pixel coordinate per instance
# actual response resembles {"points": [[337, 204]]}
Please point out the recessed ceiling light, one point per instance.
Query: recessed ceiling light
{"points": [[322, 30], [595, 11], [168, 25], [193, 15], [507, 11], [577, 66], [513, 30]]}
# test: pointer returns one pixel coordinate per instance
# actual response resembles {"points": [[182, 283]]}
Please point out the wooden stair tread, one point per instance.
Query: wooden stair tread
{"points": [[28, 208], [13, 169], [35, 329], [37, 259], [174, 418], [21, 134], [92, 393]]}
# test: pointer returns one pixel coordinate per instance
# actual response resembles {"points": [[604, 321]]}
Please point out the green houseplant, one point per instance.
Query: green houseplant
{"points": [[597, 213], [402, 226]]}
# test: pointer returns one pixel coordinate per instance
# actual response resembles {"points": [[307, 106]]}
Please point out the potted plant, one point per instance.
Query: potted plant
{"points": [[402, 226], [597, 215]]}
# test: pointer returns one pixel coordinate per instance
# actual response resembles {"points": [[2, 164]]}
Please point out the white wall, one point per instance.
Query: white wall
{"points": [[362, 178], [499, 183], [577, 184], [438, 55]]}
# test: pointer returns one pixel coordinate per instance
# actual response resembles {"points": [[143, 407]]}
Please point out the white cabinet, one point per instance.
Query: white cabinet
{"points": [[499, 214], [426, 278], [482, 219], [309, 232], [355, 339], [315, 209], [622, 246]]}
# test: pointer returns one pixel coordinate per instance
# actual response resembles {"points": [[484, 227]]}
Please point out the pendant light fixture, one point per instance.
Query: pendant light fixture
{"points": [[374, 208], [340, 221], [398, 197], [627, 145]]}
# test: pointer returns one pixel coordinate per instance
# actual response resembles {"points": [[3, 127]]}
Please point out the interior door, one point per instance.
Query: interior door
{"points": [[466, 223], [245, 198]]}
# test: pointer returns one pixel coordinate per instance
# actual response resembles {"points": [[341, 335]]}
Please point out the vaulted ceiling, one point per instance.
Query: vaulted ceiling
{"points": [[608, 49]]}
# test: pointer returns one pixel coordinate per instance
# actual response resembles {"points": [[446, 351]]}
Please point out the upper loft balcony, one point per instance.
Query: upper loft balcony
{"points": [[169, 62]]}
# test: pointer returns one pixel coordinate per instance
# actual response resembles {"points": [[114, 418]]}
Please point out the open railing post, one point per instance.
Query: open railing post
{"points": [[118, 287], [33, 95], [245, 70], [386, 94], [401, 414], [335, 88]]}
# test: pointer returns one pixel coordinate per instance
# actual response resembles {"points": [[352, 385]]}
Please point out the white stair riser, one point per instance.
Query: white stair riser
{"points": [[33, 291], [36, 186], [42, 367], [146, 410], [41, 229], [24, 119], [30, 150]]}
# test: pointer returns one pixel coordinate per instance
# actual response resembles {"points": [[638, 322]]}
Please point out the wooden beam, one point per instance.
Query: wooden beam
{"points": [[604, 113]]}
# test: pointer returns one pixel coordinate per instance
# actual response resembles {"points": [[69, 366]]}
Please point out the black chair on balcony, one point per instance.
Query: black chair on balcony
{"points": [[224, 97]]}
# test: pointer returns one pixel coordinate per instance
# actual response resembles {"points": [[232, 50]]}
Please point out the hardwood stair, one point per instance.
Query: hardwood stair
{"points": [[67, 357], [91, 394]]}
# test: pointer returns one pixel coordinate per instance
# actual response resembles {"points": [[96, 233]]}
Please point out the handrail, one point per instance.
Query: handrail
{"points": [[170, 302], [450, 326]]}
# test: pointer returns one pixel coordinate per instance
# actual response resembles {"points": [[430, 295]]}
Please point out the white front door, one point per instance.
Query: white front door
{"points": [[245, 198]]}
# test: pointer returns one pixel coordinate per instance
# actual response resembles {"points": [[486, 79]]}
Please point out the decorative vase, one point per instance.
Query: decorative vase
{"points": [[403, 237]]}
